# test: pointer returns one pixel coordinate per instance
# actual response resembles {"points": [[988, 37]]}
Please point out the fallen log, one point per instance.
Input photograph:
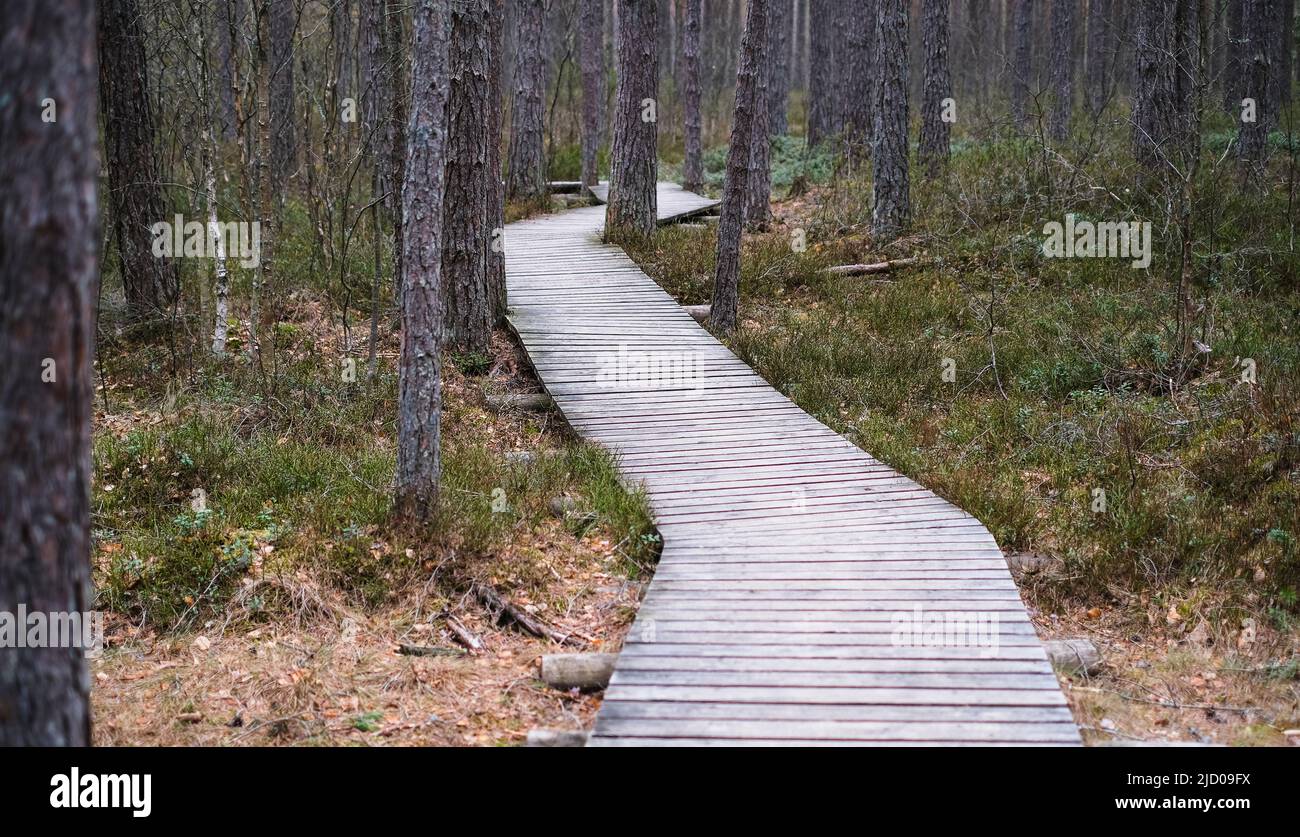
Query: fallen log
{"points": [[878, 267], [564, 187], [504, 611], [542, 737], [577, 671]]}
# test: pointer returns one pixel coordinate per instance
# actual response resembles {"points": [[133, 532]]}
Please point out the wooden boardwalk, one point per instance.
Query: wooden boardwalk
{"points": [[807, 594]]}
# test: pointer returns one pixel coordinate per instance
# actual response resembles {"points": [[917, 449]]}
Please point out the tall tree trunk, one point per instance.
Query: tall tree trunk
{"points": [[891, 201], [592, 57], [693, 168], [778, 79], [821, 72], [284, 156], [937, 86], [525, 178], [749, 98], [1166, 129], [758, 193], [134, 185], [49, 283], [1255, 46], [420, 365], [633, 164], [467, 319], [496, 209], [1097, 58], [1022, 61], [856, 55], [395, 51], [1285, 34], [1233, 72], [1063, 17]]}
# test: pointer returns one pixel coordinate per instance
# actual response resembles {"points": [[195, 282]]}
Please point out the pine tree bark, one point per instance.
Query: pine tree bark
{"points": [[525, 179], [592, 59], [467, 321], [749, 98], [497, 197], [1255, 46], [891, 208], [1064, 13], [420, 365], [937, 86], [1022, 60], [633, 163], [1167, 55], [1097, 56], [822, 71], [135, 195], [758, 193], [857, 57], [778, 80], [693, 168], [49, 284]]}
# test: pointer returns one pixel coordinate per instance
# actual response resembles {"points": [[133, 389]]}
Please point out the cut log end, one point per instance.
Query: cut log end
{"points": [[578, 671], [1073, 656], [699, 312]]}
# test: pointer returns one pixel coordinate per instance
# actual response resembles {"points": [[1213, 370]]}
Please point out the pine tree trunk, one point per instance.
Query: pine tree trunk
{"points": [[1254, 63], [633, 163], [891, 208], [134, 185], [778, 80], [1097, 58], [395, 51], [592, 58], [1167, 58], [857, 56], [496, 264], [726, 278], [1233, 72], [49, 282], [1022, 61], [1063, 17], [467, 321], [937, 86], [758, 192], [693, 168], [526, 177], [420, 366], [821, 71]]}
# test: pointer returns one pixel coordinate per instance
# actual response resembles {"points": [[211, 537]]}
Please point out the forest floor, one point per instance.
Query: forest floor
{"points": [[277, 612]]}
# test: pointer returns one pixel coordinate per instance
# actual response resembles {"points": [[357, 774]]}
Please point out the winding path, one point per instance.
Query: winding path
{"points": [[807, 593]]}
